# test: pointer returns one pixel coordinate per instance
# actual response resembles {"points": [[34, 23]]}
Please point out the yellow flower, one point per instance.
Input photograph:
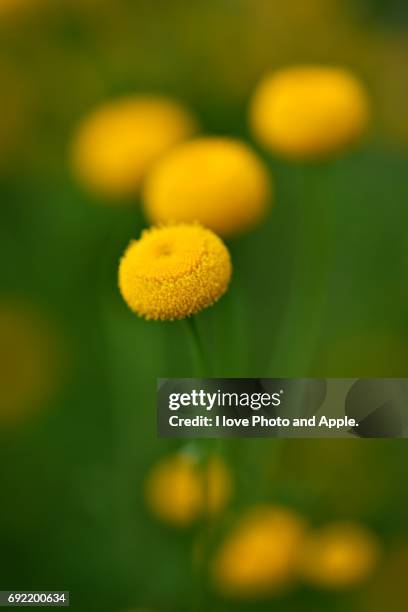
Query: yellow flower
{"points": [[339, 555], [178, 490], [29, 362], [116, 144], [307, 112], [174, 271], [259, 557], [219, 182]]}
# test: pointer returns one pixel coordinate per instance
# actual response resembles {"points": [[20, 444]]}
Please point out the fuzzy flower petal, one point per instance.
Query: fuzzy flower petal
{"points": [[174, 271]]}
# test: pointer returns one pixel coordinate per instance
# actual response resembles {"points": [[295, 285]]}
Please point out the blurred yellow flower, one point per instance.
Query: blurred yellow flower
{"points": [[179, 490], [117, 143], [174, 271], [259, 557], [219, 182], [339, 555], [29, 362], [307, 112]]}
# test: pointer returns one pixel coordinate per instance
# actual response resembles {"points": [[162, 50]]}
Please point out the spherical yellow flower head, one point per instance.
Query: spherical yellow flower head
{"points": [[219, 182], [29, 362], [338, 556], [174, 271], [117, 143], [308, 112], [179, 490], [259, 557]]}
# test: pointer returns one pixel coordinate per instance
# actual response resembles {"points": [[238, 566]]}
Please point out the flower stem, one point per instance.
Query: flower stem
{"points": [[204, 447], [200, 362]]}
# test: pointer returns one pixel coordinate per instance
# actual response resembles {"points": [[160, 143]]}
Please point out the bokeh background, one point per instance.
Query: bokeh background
{"points": [[78, 370]]}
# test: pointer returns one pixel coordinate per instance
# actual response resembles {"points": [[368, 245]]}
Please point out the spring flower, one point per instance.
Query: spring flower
{"points": [[174, 271], [117, 143], [259, 557], [178, 490], [339, 555], [307, 112], [219, 182], [29, 362]]}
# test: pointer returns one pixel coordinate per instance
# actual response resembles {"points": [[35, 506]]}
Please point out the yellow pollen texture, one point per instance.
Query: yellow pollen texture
{"points": [[174, 271]]}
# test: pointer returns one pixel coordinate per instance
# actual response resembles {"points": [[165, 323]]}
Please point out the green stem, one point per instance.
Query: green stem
{"points": [[205, 448], [200, 362]]}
